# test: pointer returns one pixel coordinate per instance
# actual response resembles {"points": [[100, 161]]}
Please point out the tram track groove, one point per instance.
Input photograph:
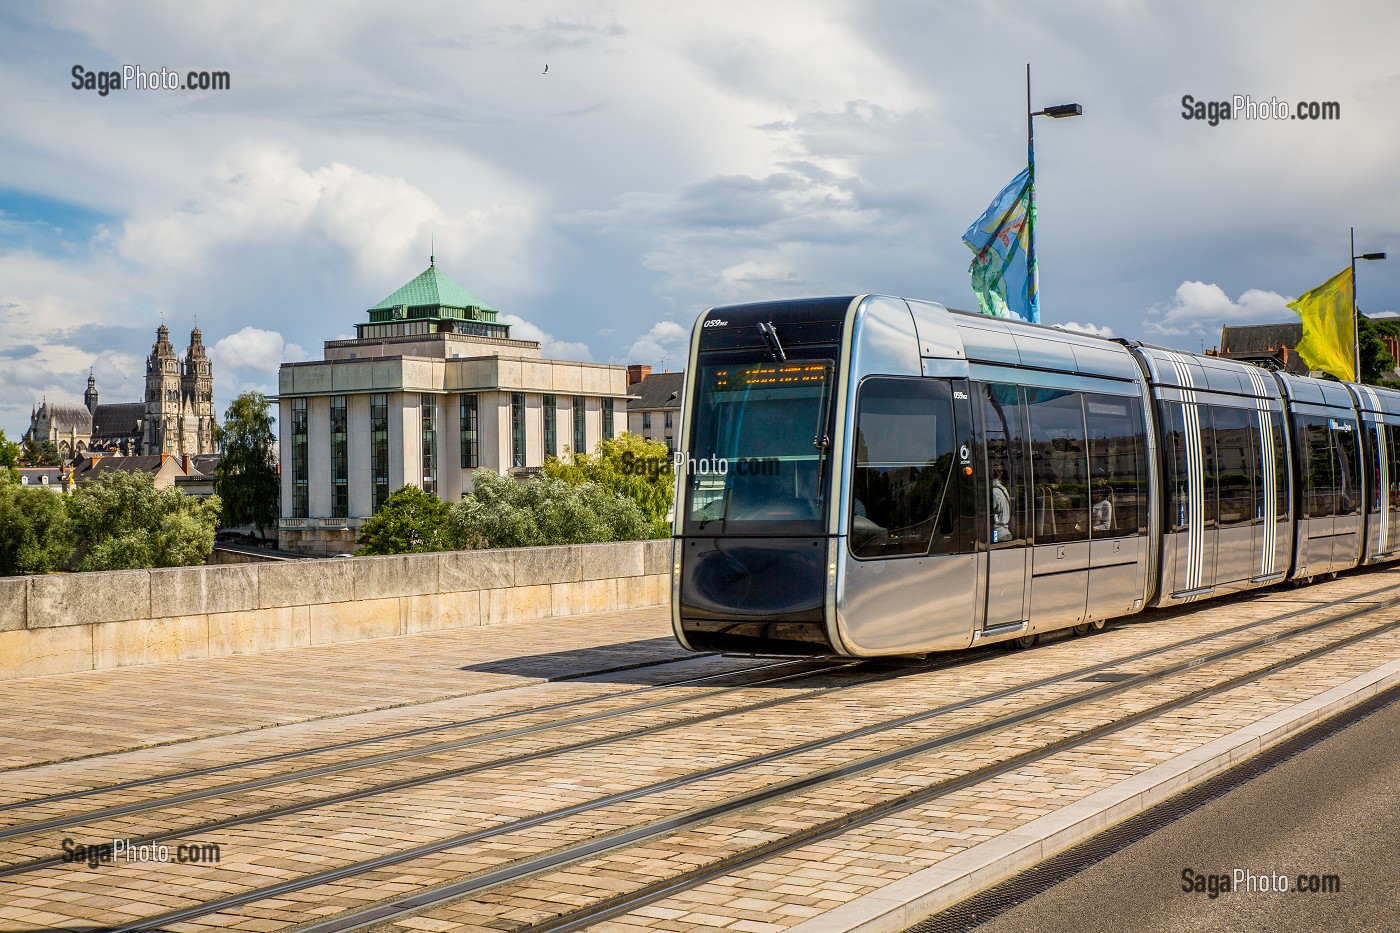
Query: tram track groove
{"points": [[622, 904], [388, 757], [575, 853], [351, 764], [418, 781], [467, 770], [330, 717], [395, 736]]}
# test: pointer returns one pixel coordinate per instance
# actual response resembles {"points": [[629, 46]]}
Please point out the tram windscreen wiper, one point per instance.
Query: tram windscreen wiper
{"points": [[770, 336]]}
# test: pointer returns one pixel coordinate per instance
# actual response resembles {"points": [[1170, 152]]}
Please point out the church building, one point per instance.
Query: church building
{"points": [[176, 417], [432, 388]]}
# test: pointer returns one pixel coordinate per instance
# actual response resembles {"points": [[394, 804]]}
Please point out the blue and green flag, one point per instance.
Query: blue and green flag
{"points": [[1002, 278]]}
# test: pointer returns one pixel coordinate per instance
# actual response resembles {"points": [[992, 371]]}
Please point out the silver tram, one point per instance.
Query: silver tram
{"points": [[880, 476]]}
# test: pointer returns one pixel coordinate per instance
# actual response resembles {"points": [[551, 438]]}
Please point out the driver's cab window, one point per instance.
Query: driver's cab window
{"points": [[904, 491]]}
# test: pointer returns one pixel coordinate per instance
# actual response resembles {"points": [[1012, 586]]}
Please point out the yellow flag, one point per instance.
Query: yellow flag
{"points": [[1329, 336]]}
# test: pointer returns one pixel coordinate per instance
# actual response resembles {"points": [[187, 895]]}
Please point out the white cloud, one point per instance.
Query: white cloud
{"points": [[521, 329], [1087, 328], [1201, 309], [666, 341], [254, 349]]}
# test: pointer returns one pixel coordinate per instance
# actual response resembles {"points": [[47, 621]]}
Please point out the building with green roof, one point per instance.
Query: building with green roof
{"points": [[431, 389]]}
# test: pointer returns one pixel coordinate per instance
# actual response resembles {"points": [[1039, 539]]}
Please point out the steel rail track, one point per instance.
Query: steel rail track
{"points": [[615, 906], [272, 780], [387, 737], [383, 758], [535, 865]]}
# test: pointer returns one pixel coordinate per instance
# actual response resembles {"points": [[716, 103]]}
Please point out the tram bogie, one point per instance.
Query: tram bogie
{"points": [[871, 476]]}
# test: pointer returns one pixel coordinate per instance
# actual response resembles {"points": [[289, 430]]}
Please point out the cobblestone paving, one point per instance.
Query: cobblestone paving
{"points": [[436, 682]]}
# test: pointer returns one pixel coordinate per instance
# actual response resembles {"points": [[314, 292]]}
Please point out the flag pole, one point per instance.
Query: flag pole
{"points": [[1355, 314], [1032, 271]]}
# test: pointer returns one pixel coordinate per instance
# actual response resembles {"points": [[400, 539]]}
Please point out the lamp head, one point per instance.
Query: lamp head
{"points": [[1371, 256], [1063, 110]]}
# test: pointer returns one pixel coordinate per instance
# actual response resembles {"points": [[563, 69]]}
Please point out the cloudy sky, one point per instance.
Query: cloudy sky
{"points": [[674, 157]]}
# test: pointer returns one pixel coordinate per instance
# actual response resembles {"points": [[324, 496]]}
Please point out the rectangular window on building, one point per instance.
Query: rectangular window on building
{"points": [[646, 421], [668, 419], [340, 459], [429, 406], [551, 426], [299, 467], [379, 447], [466, 416], [517, 429], [608, 418], [580, 426]]}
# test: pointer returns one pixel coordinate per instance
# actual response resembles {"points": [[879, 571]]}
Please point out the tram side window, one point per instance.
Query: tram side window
{"points": [[1236, 445], [904, 499], [1060, 500], [1370, 434], [1281, 491], [1004, 427], [1117, 471], [1174, 452], [1392, 444], [1319, 483], [1348, 466], [1210, 462]]}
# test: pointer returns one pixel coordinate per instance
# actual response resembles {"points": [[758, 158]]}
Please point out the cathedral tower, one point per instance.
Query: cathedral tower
{"points": [[90, 396], [197, 392], [162, 435]]}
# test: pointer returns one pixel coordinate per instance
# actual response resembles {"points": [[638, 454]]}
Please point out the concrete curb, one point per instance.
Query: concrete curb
{"points": [[909, 900]]}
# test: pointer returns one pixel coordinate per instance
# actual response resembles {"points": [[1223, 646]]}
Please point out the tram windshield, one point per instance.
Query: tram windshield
{"points": [[759, 459]]}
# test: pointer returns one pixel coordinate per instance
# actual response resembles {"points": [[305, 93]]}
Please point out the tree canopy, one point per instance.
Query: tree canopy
{"points": [[9, 458], [35, 533], [503, 512], [36, 453], [122, 522], [409, 521], [630, 466], [1377, 365], [246, 478]]}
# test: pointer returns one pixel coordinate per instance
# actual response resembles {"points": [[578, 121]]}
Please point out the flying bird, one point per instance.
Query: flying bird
{"points": [[546, 70]]}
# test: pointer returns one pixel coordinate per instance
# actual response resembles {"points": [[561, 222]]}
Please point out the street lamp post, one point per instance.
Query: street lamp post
{"points": [[1056, 112], [1355, 308]]}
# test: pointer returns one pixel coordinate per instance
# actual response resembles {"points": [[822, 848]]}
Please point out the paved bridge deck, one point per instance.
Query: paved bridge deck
{"points": [[583, 773]]}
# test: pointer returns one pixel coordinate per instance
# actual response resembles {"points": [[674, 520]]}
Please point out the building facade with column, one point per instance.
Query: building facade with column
{"points": [[430, 390]]}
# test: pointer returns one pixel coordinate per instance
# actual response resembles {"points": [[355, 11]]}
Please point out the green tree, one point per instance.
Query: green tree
{"points": [[1377, 365], [409, 521], [246, 478], [35, 533], [35, 453], [9, 458], [630, 466], [122, 522], [501, 512]]}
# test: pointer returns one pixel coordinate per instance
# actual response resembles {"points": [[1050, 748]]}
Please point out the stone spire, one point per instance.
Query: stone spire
{"points": [[162, 397], [197, 393], [90, 396]]}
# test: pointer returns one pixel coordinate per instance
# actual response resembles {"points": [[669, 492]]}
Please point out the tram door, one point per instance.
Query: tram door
{"points": [[1008, 486]]}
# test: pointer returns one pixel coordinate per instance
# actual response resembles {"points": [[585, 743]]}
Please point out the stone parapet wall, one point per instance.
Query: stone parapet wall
{"points": [[90, 621]]}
